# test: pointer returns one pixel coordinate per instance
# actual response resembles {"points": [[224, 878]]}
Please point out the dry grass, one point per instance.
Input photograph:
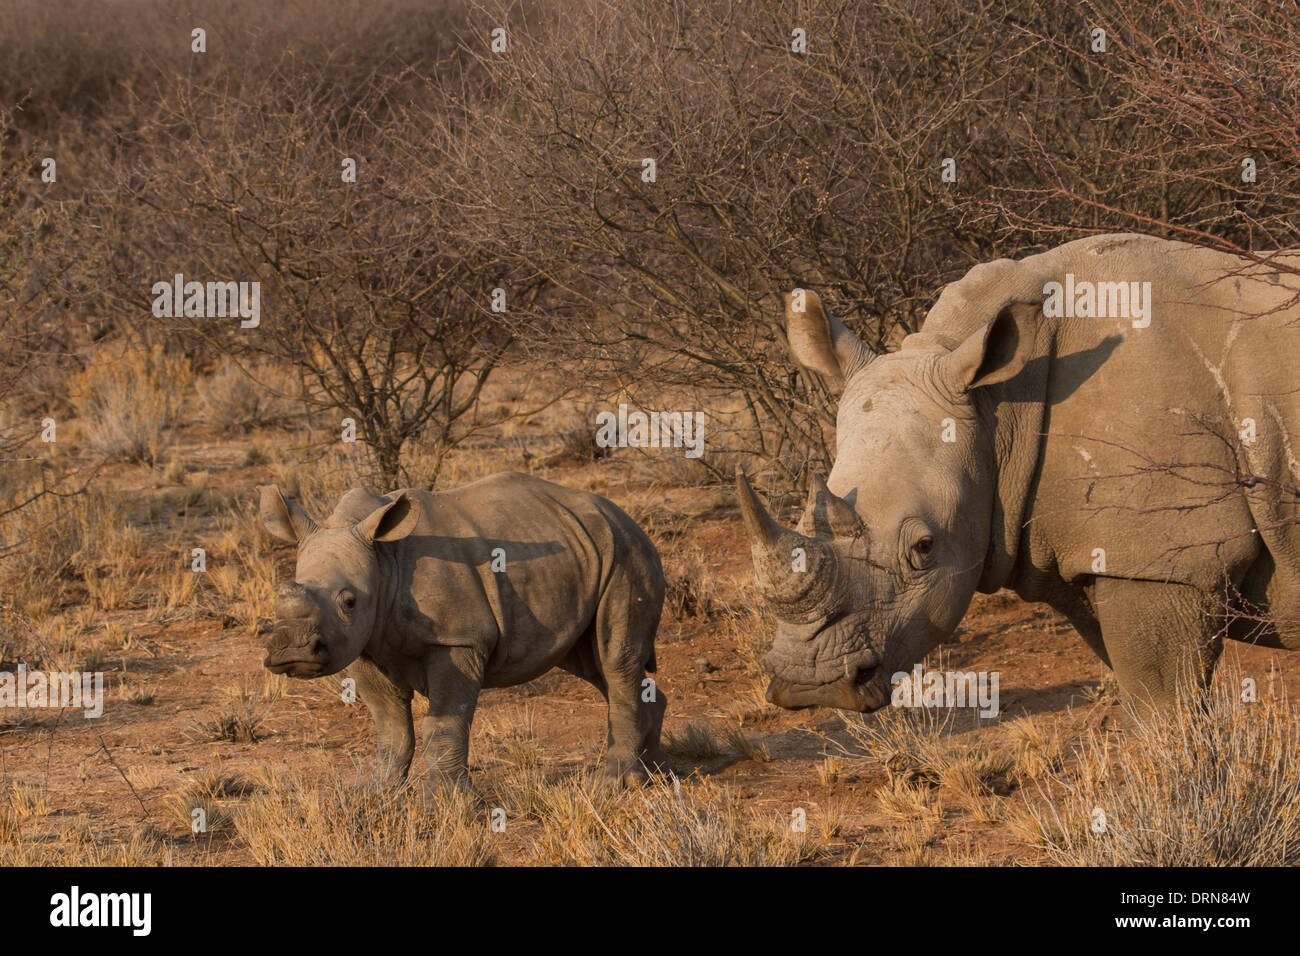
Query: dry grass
{"points": [[669, 823], [692, 590], [743, 746], [241, 717], [128, 401], [79, 845], [694, 742], [905, 801], [923, 743], [829, 770], [1214, 782], [43, 541], [330, 823], [1040, 751]]}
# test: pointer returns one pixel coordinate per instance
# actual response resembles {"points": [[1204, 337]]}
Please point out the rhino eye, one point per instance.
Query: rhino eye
{"points": [[921, 553], [347, 600]]}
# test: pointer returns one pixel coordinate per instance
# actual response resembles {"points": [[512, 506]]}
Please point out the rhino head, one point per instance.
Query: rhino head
{"points": [[326, 615], [890, 549]]}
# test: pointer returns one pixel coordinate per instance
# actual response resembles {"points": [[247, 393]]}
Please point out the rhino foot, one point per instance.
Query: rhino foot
{"points": [[629, 774], [439, 788]]}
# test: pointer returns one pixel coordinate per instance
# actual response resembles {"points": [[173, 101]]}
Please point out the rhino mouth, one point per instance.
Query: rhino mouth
{"points": [[297, 650], [861, 692], [850, 680]]}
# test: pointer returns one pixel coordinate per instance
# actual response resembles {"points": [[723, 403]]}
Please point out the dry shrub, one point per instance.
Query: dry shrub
{"points": [[129, 402], [334, 824], [665, 824], [1212, 782], [578, 442], [235, 400], [692, 590]]}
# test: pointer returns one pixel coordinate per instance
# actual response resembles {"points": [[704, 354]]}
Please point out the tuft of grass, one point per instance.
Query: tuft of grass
{"points": [[1039, 751], [239, 720], [906, 801], [932, 746], [332, 823], [669, 823], [1213, 781], [191, 808], [829, 770], [695, 742], [913, 840], [743, 746]]}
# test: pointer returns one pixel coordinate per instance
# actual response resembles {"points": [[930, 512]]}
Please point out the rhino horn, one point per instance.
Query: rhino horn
{"points": [[793, 594], [763, 530], [827, 513]]}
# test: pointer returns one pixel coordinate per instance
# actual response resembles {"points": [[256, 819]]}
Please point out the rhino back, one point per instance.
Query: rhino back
{"points": [[555, 549], [1123, 404]]}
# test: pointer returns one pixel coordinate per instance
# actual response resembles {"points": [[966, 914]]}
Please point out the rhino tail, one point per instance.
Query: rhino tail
{"points": [[651, 664]]}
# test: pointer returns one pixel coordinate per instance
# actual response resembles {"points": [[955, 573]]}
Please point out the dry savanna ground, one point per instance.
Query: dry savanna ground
{"points": [[279, 767]]}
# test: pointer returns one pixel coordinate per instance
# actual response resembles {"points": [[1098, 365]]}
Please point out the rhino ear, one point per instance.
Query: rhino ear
{"points": [[282, 517], [391, 521], [820, 342], [998, 351]]}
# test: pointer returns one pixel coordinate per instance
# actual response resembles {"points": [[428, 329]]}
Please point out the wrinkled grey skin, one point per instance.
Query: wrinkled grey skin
{"points": [[400, 591], [1065, 428]]}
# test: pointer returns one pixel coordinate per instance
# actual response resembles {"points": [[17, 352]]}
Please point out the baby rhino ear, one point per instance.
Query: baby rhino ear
{"points": [[282, 517], [391, 521]]}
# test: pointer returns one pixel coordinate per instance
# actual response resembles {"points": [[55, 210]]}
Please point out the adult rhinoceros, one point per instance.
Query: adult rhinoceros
{"points": [[1064, 430]]}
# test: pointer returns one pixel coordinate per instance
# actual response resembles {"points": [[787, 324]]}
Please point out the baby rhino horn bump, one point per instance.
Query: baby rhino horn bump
{"points": [[830, 512]]}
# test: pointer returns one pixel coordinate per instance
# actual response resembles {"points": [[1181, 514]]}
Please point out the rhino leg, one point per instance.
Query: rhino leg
{"points": [[623, 645], [390, 707], [582, 662], [454, 679], [1162, 639], [653, 754]]}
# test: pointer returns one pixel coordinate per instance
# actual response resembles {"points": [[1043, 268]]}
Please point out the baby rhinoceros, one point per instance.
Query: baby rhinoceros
{"points": [[489, 585]]}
